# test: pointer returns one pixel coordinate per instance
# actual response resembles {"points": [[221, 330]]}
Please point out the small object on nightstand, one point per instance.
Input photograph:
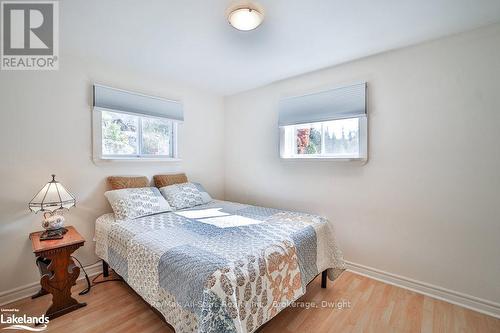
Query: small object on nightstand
{"points": [[52, 199], [59, 272]]}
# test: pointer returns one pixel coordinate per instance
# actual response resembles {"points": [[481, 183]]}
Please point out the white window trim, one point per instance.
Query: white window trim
{"points": [[98, 157], [363, 147]]}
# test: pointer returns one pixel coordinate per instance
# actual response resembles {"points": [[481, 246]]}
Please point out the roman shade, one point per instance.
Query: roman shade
{"points": [[130, 102], [340, 103]]}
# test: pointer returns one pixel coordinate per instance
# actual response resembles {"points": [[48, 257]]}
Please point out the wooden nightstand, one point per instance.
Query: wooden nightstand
{"points": [[62, 270]]}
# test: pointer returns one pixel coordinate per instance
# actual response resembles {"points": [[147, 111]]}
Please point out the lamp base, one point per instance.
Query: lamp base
{"points": [[53, 234]]}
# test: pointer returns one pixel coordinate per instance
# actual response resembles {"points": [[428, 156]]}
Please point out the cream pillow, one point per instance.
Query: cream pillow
{"points": [[131, 203]]}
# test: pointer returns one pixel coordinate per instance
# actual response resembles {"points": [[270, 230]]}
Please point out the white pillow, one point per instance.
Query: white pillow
{"points": [[131, 203], [184, 195]]}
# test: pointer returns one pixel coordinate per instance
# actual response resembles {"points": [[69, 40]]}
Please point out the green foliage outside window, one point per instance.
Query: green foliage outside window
{"points": [[119, 134], [314, 146], [155, 136]]}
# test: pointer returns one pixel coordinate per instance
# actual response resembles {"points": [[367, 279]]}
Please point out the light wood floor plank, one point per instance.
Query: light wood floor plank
{"points": [[374, 307]]}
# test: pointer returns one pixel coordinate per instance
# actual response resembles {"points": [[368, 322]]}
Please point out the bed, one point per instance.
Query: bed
{"points": [[220, 266]]}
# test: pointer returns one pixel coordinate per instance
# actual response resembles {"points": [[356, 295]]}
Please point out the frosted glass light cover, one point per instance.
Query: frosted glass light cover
{"points": [[245, 19], [51, 197]]}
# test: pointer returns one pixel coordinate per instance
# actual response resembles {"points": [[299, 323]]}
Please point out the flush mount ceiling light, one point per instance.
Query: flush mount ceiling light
{"points": [[245, 18]]}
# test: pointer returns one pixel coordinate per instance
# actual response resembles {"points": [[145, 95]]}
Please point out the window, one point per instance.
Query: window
{"points": [[132, 126], [157, 135], [326, 125], [329, 139], [125, 135], [119, 134]]}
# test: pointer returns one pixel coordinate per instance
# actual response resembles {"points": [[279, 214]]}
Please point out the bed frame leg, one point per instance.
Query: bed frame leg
{"points": [[105, 269], [323, 279]]}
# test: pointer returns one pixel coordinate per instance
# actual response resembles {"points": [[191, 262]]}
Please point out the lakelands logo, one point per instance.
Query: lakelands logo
{"points": [[30, 35], [15, 321]]}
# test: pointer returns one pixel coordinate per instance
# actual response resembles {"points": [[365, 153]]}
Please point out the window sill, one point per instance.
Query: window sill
{"points": [[326, 159], [101, 160]]}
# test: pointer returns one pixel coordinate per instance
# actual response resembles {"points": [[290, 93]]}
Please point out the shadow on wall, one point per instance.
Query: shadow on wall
{"points": [[15, 214]]}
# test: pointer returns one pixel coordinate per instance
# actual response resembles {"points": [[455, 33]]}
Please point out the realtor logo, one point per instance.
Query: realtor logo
{"points": [[30, 35]]}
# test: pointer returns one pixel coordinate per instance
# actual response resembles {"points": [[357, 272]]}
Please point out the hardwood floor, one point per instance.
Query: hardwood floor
{"points": [[361, 305]]}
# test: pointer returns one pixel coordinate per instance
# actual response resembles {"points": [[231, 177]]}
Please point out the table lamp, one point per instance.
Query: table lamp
{"points": [[52, 199]]}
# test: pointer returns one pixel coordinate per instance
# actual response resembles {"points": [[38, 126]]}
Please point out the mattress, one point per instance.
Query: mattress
{"points": [[222, 266]]}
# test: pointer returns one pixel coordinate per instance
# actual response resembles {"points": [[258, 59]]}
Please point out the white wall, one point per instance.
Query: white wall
{"points": [[45, 127], [427, 204]]}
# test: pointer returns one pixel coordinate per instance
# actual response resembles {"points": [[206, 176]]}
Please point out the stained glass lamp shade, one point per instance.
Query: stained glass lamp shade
{"points": [[51, 200], [51, 197]]}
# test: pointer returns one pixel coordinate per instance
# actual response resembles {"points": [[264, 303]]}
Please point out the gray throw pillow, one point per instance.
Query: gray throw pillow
{"points": [[185, 195], [204, 194]]}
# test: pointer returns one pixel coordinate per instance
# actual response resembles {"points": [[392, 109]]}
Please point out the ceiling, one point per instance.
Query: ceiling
{"points": [[190, 41]]}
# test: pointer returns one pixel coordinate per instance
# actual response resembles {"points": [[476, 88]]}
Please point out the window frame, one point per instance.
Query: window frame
{"points": [[97, 128], [285, 140]]}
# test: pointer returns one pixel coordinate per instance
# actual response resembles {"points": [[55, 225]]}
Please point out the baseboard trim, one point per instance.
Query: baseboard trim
{"points": [[27, 290], [467, 301]]}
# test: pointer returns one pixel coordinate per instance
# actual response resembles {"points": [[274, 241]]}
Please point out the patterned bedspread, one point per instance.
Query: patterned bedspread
{"points": [[222, 266]]}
